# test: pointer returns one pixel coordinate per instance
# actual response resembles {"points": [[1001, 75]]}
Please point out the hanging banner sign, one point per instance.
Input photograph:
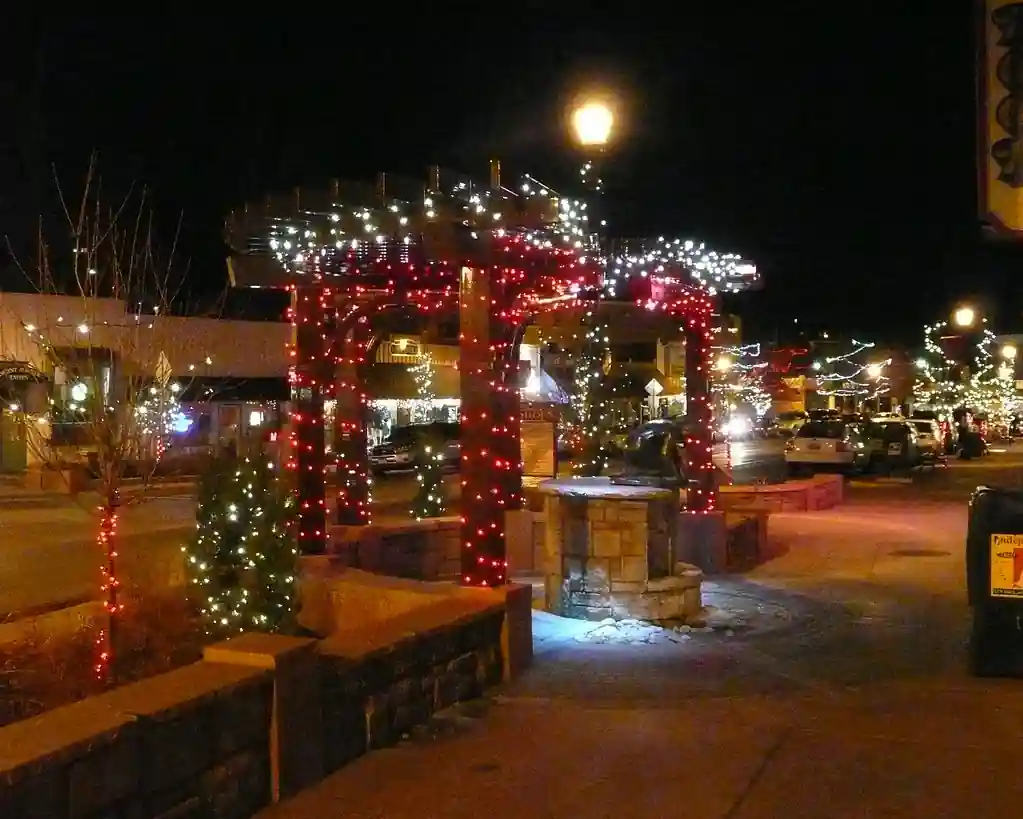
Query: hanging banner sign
{"points": [[18, 371]]}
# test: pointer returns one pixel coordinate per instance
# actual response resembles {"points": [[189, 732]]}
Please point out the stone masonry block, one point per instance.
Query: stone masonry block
{"points": [[634, 569], [606, 543], [296, 749], [633, 511]]}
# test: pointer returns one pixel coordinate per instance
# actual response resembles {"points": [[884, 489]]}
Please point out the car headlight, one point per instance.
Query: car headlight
{"points": [[737, 426]]}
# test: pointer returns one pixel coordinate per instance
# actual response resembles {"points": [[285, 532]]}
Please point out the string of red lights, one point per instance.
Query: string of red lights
{"points": [[500, 280]]}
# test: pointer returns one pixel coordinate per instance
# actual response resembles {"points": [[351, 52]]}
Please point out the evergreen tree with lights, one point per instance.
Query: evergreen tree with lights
{"points": [[422, 375], [592, 415], [242, 559], [429, 500]]}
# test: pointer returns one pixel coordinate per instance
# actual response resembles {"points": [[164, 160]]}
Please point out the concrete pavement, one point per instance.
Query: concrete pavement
{"points": [[845, 698]]}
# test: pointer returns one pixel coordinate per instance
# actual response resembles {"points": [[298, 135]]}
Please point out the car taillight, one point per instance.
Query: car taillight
{"points": [[842, 446]]}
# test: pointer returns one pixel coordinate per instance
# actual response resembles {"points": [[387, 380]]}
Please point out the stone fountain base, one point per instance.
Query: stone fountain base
{"points": [[610, 552]]}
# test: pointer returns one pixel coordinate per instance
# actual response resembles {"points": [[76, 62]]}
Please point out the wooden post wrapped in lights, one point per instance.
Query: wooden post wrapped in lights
{"points": [[350, 416], [496, 257], [311, 374]]}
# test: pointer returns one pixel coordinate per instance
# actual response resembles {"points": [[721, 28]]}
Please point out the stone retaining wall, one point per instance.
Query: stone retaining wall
{"points": [[261, 717], [190, 743], [431, 549], [819, 492]]}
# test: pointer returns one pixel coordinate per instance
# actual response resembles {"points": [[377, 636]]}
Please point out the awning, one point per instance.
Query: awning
{"points": [[252, 390]]}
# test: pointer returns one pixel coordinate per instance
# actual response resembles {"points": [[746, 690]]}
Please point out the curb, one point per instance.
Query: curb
{"points": [[56, 500]]}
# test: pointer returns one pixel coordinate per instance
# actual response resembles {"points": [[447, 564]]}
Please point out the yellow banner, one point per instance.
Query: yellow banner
{"points": [[1001, 105]]}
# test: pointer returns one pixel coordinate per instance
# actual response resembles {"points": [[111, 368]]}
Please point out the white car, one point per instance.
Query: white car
{"points": [[789, 422], [826, 445], [929, 439]]}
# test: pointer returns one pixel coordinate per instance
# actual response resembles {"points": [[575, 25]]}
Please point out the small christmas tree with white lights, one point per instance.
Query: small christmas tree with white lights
{"points": [[429, 500], [242, 560], [422, 374], [592, 417]]}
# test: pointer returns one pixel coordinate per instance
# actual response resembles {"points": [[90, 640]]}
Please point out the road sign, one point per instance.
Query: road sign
{"points": [[654, 387], [163, 370]]}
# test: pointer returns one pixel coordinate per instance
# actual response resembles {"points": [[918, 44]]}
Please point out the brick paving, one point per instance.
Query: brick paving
{"points": [[843, 697]]}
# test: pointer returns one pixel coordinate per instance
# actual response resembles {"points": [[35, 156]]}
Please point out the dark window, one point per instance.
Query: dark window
{"points": [[822, 429]]}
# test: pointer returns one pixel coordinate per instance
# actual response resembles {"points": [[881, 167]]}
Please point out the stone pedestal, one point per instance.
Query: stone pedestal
{"points": [[610, 551]]}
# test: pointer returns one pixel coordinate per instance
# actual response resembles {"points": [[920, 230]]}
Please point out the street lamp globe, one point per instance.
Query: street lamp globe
{"points": [[874, 371], [592, 123], [724, 364], [964, 317], [1009, 352]]}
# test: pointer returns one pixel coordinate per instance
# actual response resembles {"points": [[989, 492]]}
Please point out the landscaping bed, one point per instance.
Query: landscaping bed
{"points": [[40, 673]]}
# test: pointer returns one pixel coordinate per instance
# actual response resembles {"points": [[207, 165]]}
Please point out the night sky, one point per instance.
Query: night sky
{"points": [[833, 143]]}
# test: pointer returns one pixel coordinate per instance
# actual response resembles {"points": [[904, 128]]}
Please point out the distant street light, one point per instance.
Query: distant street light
{"points": [[724, 364], [874, 370], [964, 316], [592, 123], [1009, 352]]}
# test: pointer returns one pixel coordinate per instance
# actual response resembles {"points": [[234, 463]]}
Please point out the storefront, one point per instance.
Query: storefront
{"points": [[23, 391]]}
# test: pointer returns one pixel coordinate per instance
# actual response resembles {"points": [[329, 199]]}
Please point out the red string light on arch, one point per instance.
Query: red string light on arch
{"points": [[496, 279]]}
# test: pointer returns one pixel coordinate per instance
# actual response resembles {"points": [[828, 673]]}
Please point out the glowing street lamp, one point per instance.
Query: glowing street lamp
{"points": [[723, 364], [1009, 352], [874, 370], [592, 123], [964, 316]]}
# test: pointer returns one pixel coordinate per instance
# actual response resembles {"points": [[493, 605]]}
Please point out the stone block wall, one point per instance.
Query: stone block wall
{"points": [[430, 549], [599, 552], [419, 550], [261, 716], [819, 492], [190, 743], [379, 684]]}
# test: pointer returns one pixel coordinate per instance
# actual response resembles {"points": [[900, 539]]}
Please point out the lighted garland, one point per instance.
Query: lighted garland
{"points": [[375, 256], [742, 379], [242, 560], [854, 374], [713, 271]]}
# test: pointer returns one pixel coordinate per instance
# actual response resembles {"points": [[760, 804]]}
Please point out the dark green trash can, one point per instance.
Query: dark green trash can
{"points": [[994, 582]]}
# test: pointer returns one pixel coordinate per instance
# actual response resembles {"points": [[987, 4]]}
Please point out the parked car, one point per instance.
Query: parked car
{"points": [[892, 443], [789, 422], [829, 444], [949, 431], [929, 440], [405, 447]]}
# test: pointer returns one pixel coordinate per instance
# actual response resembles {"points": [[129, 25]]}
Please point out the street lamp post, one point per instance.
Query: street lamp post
{"points": [[592, 124], [964, 316]]}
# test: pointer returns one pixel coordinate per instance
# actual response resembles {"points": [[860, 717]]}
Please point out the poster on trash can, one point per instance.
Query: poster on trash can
{"points": [[1007, 565]]}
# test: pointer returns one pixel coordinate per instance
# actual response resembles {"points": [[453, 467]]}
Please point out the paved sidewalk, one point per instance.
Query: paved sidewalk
{"points": [[898, 751], [842, 695]]}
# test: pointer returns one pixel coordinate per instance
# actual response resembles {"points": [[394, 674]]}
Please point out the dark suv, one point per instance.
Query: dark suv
{"points": [[405, 447]]}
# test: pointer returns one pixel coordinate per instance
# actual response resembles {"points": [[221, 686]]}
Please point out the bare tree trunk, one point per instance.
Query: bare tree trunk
{"points": [[106, 660]]}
